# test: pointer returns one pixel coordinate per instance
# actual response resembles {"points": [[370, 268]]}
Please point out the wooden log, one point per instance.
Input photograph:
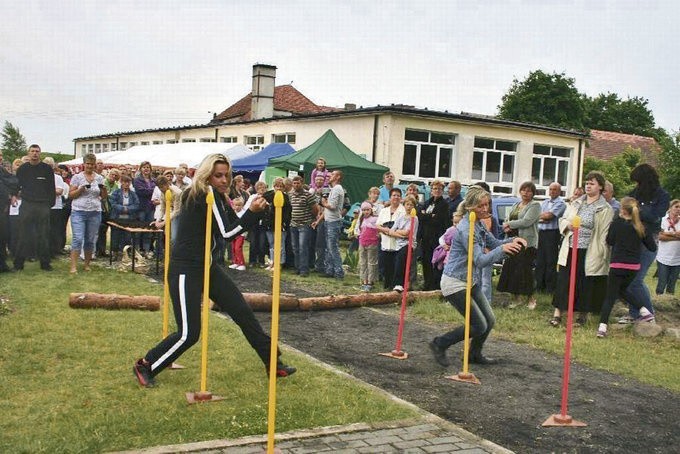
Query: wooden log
{"points": [[113, 301], [262, 302]]}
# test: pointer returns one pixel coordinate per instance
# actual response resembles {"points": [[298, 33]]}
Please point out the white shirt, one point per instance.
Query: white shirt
{"points": [[669, 251], [389, 243]]}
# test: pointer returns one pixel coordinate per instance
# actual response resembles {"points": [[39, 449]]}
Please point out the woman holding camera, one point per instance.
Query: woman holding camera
{"points": [[86, 192]]}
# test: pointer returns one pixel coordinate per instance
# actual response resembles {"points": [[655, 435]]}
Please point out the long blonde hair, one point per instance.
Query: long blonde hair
{"points": [[630, 206], [201, 182], [473, 198]]}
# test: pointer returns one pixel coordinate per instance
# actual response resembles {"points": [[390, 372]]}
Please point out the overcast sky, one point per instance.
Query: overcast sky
{"points": [[78, 68]]}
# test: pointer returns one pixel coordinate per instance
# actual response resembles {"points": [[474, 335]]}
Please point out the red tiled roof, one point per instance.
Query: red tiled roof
{"points": [[286, 98], [606, 145]]}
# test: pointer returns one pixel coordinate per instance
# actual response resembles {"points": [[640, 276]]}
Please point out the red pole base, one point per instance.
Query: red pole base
{"points": [[465, 378], [202, 396], [175, 366], [562, 421], [395, 354]]}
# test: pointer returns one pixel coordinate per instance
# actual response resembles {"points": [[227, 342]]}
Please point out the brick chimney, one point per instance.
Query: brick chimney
{"points": [[264, 77]]}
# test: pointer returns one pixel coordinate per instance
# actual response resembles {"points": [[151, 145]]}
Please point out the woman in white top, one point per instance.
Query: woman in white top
{"points": [[86, 190], [668, 255]]}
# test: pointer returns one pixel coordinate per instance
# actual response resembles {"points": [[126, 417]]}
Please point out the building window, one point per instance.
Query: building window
{"points": [[90, 147], [157, 142], [114, 146], [254, 142], [123, 145], [493, 161], [98, 148], [230, 139], [171, 141], [83, 149], [207, 140], [550, 164], [428, 154], [133, 144], [288, 137], [105, 147], [188, 140], [146, 142]]}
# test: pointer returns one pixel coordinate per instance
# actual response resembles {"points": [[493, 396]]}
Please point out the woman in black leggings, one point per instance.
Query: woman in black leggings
{"points": [[185, 273]]}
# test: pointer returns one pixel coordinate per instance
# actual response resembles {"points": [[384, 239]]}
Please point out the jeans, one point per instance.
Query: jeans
{"points": [[270, 239], [638, 289], [333, 259], [487, 282], [668, 276], [320, 248], [482, 320], [84, 229], [300, 240]]}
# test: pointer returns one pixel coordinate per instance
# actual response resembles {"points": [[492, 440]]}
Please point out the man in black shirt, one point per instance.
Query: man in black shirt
{"points": [[36, 186], [7, 188]]}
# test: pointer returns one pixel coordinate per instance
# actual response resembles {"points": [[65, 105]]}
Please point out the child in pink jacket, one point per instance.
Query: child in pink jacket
{"points": [[369, 241]]}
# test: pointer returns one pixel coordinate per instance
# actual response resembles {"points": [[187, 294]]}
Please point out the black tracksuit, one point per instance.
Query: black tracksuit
{"points": [[185, 277]]}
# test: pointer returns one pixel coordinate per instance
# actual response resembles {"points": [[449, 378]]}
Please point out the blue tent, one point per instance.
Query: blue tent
{"points": [[258, 161]]}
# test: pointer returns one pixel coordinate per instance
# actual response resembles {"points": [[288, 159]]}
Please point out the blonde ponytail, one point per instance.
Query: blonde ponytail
{"points": [[630, 205]]}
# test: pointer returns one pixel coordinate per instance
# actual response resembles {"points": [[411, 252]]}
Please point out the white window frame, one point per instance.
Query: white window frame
{"points": [[542, 189], [288, 137], [171, 141], [157, 142], [497, 187], [188, 140], [229, 139], [206, 139], [255, 143], [439, 146]]}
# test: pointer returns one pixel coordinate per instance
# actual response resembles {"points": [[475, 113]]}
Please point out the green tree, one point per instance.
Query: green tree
{"points": [[617, 170], [546, 99], [610, 113], [670, 163], [13, 142]]}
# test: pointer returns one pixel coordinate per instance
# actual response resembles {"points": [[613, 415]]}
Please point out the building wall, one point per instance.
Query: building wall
{"points": [[359, 132]]}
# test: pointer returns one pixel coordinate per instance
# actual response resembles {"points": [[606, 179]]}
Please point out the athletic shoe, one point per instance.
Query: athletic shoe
{"points": [[282, 370], [241, 267], [601, 333], [649, 318], [143, 374], [626, 320], [398, 288], [233, 266], [439, 354]]}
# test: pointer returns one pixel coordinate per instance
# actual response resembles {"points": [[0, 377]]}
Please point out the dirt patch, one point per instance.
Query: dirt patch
{"points": [[515, 396]]}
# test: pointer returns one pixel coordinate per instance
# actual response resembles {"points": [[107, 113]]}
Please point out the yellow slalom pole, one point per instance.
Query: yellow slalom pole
{"points": [[466, 376], [276, 293], [204, 395], [205, 308], [166, 264], [468, 291]]}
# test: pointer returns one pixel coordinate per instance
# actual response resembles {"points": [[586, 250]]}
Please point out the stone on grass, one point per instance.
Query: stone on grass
{"points": [[673, 333], [647, 329]]}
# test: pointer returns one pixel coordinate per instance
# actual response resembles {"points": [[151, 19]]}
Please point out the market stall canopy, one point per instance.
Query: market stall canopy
{"points": [[257, 162], [359, 173], [170, 155]]}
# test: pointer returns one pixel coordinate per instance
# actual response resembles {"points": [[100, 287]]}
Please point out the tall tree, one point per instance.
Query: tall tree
{"points": [[546, 99], [670, 163], [13, 142], [610, 113]]}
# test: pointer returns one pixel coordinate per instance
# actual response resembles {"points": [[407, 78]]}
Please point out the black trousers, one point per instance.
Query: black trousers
{"points": [[431, 275], [617, 283], [4, 235], [186, 288], [548, 250], [387, 260], [34, 229], [55, 231]]}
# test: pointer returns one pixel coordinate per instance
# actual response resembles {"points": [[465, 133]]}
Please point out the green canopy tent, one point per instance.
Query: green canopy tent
{"points": [[359, 173]]}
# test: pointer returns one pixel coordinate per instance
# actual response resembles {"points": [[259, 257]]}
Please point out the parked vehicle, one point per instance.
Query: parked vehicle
{"points": [[500, 208]]}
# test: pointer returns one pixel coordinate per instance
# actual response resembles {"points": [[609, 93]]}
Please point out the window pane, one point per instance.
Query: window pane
{"points": [[541, 149], [483, 143], [536, 170], [493, 166], [549, 171], [438, 137], [291, 138], [505, 146], [445, 162], [508, 167], [409, 165], [562, 152], [477, 163], [428, 161], [417, 136], [562, 170]]}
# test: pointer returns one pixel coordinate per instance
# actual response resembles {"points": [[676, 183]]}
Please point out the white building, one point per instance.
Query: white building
{"points": [[417, 144]]}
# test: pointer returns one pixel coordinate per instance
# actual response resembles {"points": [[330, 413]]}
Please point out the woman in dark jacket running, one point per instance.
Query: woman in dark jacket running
{"points": [[185, 273]]}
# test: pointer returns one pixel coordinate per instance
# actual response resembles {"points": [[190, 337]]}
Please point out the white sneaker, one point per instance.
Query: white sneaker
{"points": [[233, 265], [241, 267], [398, 288]]}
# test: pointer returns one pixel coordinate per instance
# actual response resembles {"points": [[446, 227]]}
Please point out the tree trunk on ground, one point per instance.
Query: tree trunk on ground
{"points": [[113, 301]]}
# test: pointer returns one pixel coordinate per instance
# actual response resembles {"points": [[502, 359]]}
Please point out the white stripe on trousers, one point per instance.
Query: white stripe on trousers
{"points": [[183, 339]]}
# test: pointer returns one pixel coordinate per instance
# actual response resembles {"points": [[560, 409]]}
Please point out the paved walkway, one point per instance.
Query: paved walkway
{"points": [[428, 434]]}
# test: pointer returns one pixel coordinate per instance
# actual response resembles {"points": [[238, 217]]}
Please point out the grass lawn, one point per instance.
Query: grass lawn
{"points": [[67, 384], [649, 360]]}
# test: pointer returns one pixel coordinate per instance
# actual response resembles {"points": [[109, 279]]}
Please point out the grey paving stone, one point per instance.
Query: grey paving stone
{"points": [[442, 448], [345, 444], [411, 444], [418, 435], [446, 439], [473, 451], [374, 441], [378, 449]]}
